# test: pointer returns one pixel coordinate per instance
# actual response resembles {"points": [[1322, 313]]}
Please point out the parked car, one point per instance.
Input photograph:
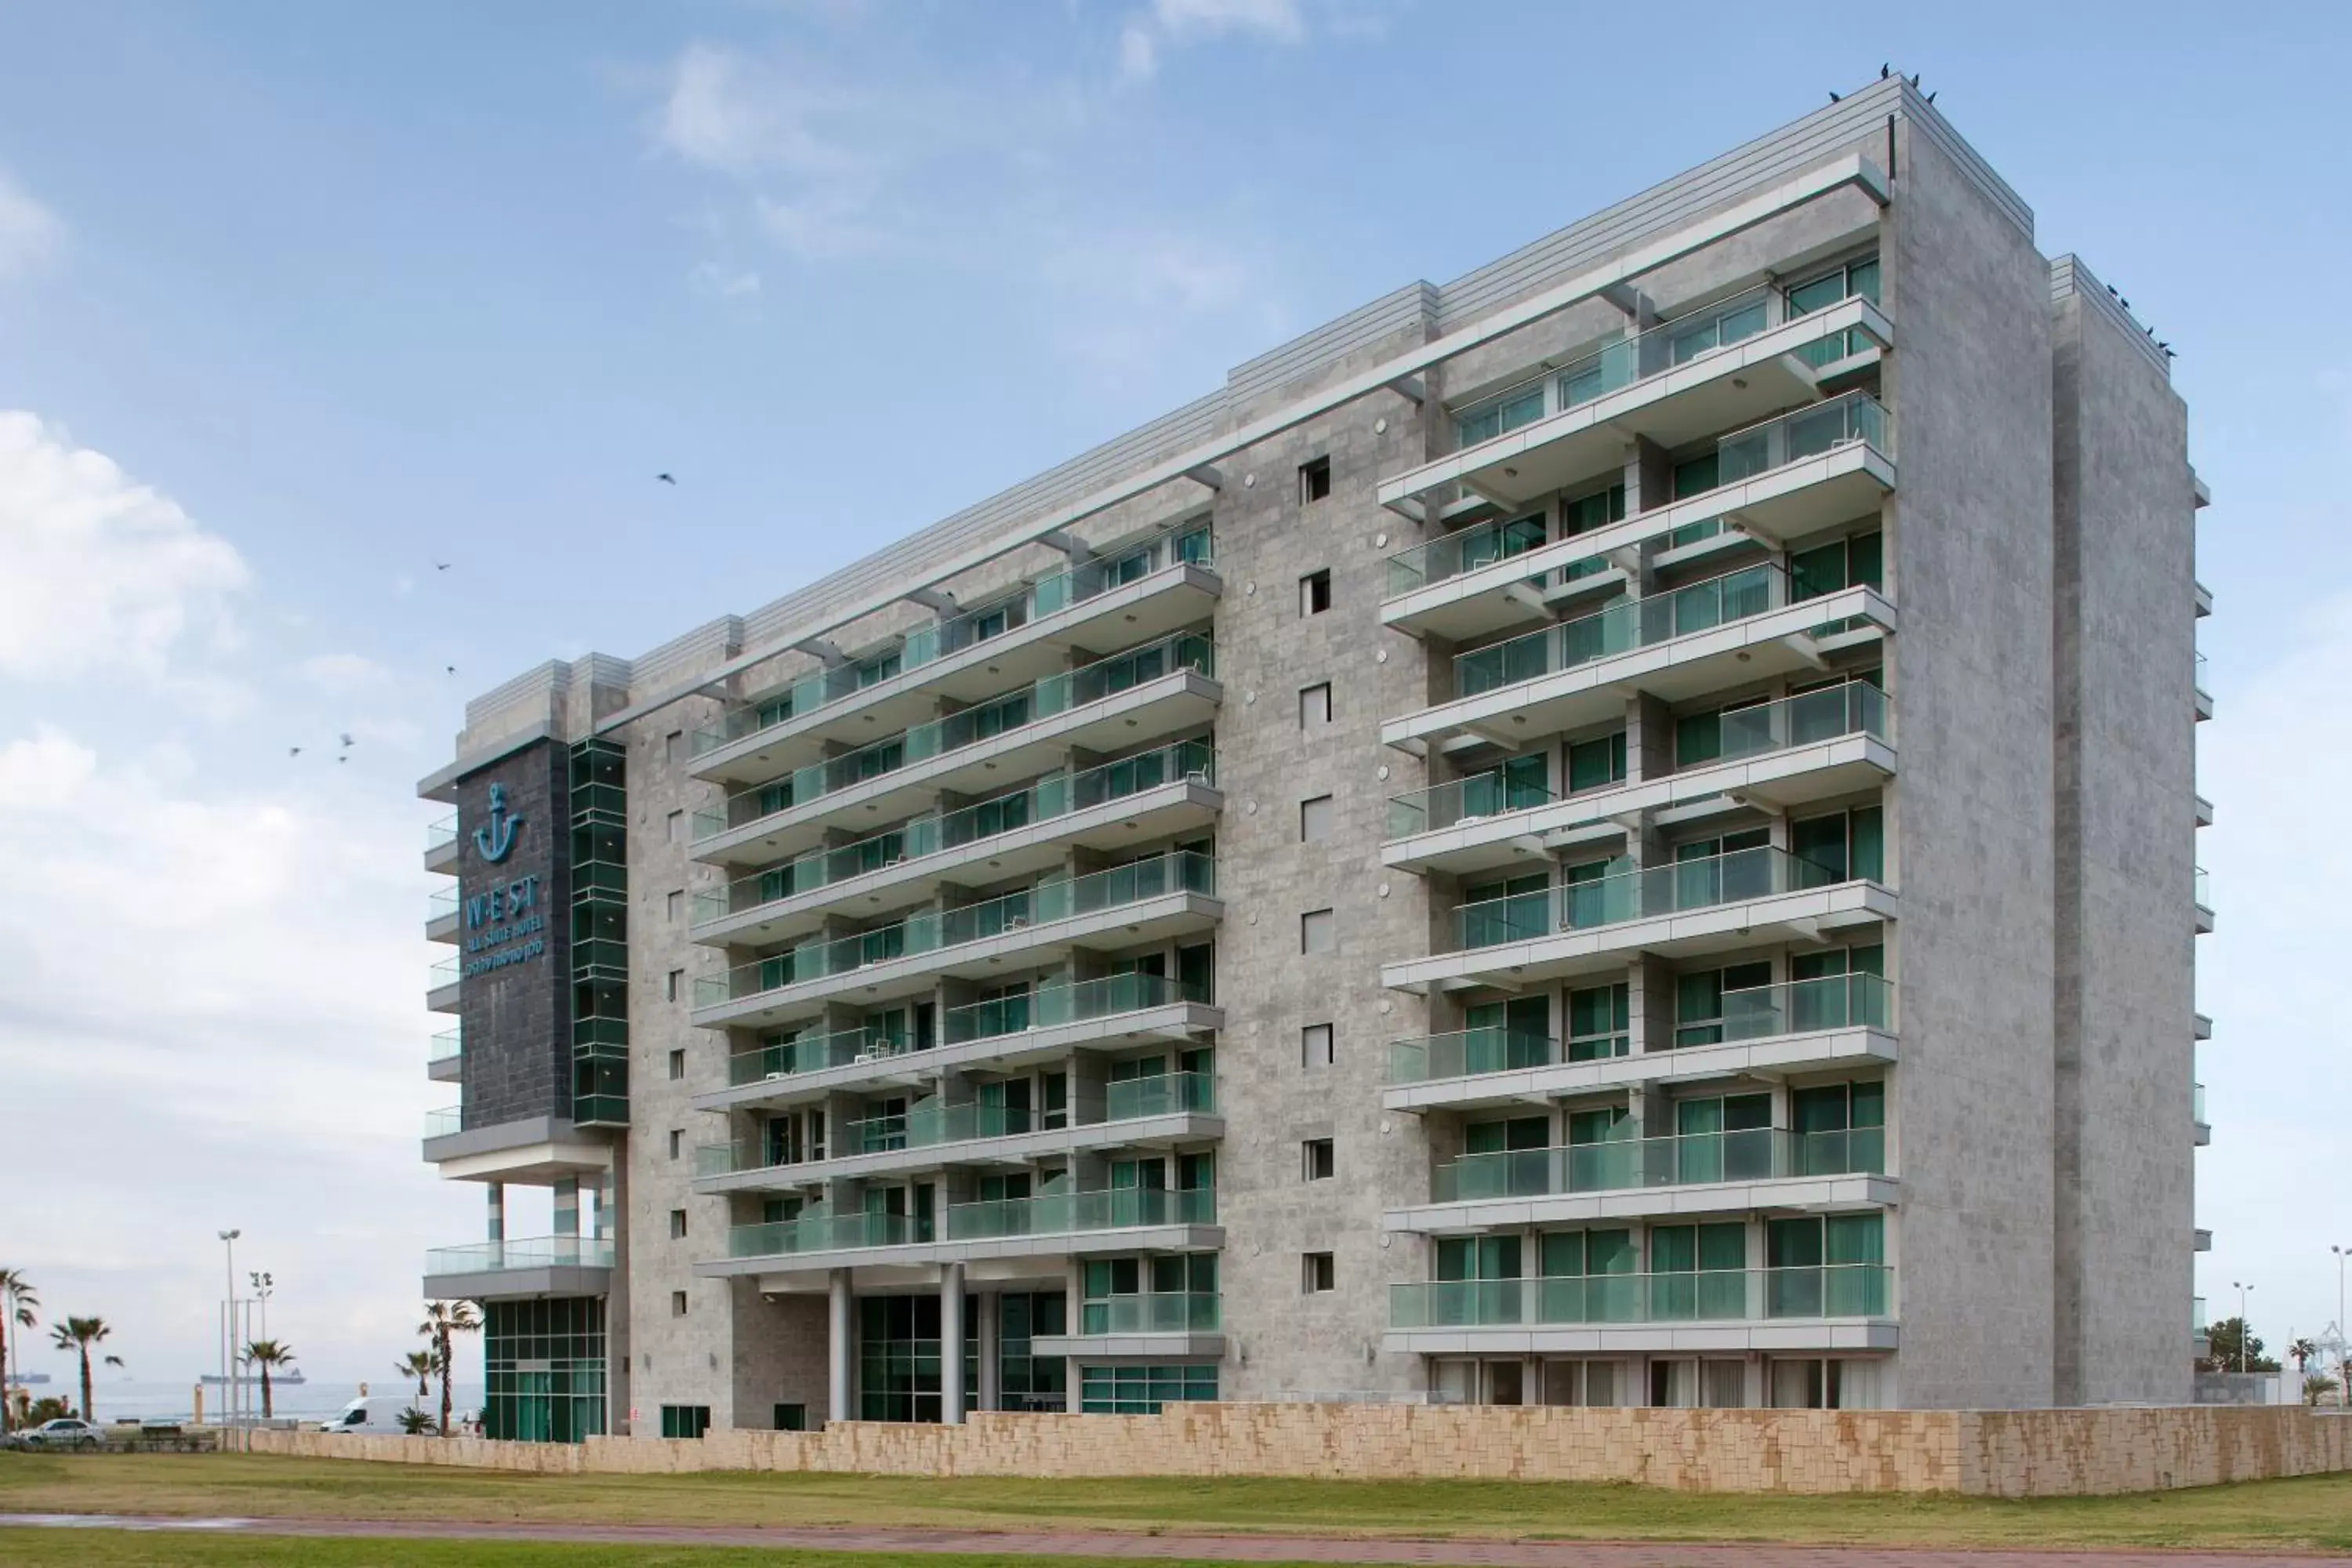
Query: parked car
{"points": [[65, 1432]]}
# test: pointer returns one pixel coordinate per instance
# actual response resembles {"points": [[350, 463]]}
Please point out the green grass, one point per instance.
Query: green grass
{"points": [[2313, 1514], [150, 1549]]}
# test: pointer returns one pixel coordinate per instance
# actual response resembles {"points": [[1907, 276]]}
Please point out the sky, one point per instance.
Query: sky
{"points": [[339, 347]]}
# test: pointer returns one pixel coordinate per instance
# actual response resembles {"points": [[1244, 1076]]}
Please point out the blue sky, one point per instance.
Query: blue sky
{"points": [[296, 302]]}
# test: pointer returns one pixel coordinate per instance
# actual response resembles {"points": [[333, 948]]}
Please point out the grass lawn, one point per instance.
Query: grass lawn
{"points": [[2313, 1514], [147, 1549]]}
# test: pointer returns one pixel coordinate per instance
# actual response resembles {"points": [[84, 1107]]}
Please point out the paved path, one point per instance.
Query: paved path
{"points": [[1206, 1548]]}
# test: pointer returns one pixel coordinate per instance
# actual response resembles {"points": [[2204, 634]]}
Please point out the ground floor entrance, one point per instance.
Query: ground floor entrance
{"points": [[543, 1362]]}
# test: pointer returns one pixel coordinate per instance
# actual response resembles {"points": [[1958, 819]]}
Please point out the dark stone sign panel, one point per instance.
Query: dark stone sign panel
{"points": [[514, 926]]}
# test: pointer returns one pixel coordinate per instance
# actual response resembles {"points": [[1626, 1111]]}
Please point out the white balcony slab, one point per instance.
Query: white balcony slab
{"points": [[1154, 606], [1845, 765], [1201, 1346], [1785, 1194], [533, 1151], [1678, 669], [1781, 504], [1722, 391], [1012, 1151], [444, 998], [1590, 950], [446, 1069], [443, 859], [921, 1254], [1770, 1056], [1121, 824], [1784, 1336], [517, 1284], [442, 928], [1164, 916], [1183, 701]]}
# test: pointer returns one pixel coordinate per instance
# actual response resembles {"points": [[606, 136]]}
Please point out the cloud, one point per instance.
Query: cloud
{"points": [[721, 282], [30, 235], [1178, 22], [99, 572], [344, 674]]}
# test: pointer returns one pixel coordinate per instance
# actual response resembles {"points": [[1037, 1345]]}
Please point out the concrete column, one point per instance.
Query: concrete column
{"points": [[991, 1326], [497, 1192], [838, 1348], [952, 1344], [567, 1206]]}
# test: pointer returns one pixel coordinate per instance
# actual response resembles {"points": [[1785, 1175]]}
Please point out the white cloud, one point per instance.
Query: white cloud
{"points": [[1178, 22], [345, 674], [30, 235], [98, 572], [722, 282]]}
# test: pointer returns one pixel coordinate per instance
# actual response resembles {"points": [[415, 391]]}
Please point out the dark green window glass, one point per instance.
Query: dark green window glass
{"points": [[1697, 476], [1698, 739], [1592, 765]]}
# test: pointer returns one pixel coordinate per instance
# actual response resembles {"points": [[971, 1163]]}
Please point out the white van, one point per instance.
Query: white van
{"points": [[374, 1414]]}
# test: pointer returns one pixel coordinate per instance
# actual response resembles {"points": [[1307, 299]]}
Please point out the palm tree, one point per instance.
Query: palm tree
{"points": [[414, 1422], [78, 1335], [21, 1302], [417, 1365], [265, 1354], [443, 1320], [2302, 1350]]}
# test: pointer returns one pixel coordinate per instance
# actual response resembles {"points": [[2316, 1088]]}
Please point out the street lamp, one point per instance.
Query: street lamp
{"points": [[229, 1323], [2343, 1372], [263, 1283], [2241, 1291]]}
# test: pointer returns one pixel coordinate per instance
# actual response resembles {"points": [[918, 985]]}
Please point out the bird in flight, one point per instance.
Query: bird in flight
{"points": [[293, 751], [453, 669], [441, 566], [665, 478]]}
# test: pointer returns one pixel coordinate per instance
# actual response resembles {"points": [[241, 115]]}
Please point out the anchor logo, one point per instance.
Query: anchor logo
{"points": [[496, 841]]}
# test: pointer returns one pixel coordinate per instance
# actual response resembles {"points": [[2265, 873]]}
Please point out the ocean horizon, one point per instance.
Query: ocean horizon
{"points": [[147, 1399]]}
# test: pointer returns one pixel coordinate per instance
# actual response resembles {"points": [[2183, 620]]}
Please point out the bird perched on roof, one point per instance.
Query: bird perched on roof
{"points": [[1836, 98]]}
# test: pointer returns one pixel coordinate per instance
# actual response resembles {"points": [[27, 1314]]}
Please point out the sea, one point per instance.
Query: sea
{"points": [[133, 1399]]}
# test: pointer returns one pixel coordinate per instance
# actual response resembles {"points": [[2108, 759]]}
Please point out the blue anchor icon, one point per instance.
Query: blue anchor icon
{"points": [[496, 840]]}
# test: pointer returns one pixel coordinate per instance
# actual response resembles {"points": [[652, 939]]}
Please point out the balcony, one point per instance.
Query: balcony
{"points": [[1791, 476], [2201, 1129], [529, 1149], [1160, 1111], [2203, 692], [1045, 1228], [441, 916], [2203, 599], [1153, 692], [1728, 1308], [441, 846], [1043, 1025], [442, 988], [1708, 904], [2204, 903], [1677, 646], [1698, 1159], [1810, 747], [1111, 807], [1713, 369], [444, 1056], [1168, 895], [1789, 1026], [1154, 1323], [1150, 592], [538, 1266]]}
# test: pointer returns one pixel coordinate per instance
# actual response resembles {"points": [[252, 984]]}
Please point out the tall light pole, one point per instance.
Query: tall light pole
{"points": [[2343, 1371], [263, 1283], [228, 1324], [2241, 1291]]}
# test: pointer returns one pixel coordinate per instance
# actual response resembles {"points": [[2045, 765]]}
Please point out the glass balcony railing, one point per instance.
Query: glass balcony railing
{"points": [[1641, 893], [1715, 1295], [527, 1252], [1054, 695], [930, 643], [1055, 1213], [1855, 708], [2204, 668], [446, 1045], [1175, 872], [1756, 1155], [1055, 1005], [2197, 1313], [1740, 456], [441, 1123], [936, 835], [2196, 1104], [1635, 624], [2204, 888], [442, 974], [1153, 1312], [807, 1053], [440, 904], [1161, 1094], [441, 834]]}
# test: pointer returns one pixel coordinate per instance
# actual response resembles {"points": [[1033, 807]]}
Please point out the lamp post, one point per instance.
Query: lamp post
{"points": [[228, 1326], [2343, 1371], [2241, 1291], [263, 1284]]}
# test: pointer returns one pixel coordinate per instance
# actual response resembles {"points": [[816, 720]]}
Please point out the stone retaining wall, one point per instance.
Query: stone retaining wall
{"points": [[2021, 1453]]}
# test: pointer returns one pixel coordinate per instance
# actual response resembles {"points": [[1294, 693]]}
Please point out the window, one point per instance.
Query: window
{"points": [[674, 746], [677, 1067], [1315, 1046], [1841, 846], [677, 1141], [673, 983], [1141, 1390], [1316, 1160], [1315, 819], [1314, 479], [1317, 1275], [1595, 764], [1600, 1021], [675, 825], [677, 1310], [684, 1420], [678, 1225], [1315, 933], [1314, 705], [792, 1418], [676, 903], [1315, 593]]}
